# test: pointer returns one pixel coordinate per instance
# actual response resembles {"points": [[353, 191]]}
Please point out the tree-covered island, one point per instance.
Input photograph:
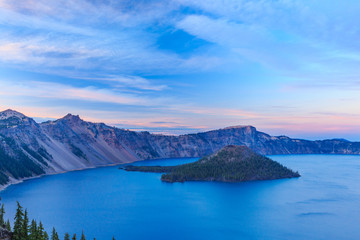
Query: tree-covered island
{"points": [[230, 164]]}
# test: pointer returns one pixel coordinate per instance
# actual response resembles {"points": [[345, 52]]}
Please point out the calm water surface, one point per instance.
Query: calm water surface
{"points": [[323, 204]]}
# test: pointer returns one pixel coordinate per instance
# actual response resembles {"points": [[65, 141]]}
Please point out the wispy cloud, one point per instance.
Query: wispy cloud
{"points": [[129, 81], [60, 92]]}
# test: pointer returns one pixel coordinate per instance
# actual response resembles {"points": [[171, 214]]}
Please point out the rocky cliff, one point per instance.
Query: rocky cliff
{"points": [[29, 149]]}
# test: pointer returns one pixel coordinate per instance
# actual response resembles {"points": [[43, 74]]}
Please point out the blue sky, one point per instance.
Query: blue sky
{"points": [[179, 66]]}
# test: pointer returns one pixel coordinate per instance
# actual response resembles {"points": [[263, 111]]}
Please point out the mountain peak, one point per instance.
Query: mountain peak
{"points": [[11, 113], [71, 118], [239, 126]]}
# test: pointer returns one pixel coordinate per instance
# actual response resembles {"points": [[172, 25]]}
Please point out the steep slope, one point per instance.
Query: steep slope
{"points": [[30, 149], [229, 164], [21, 154]]}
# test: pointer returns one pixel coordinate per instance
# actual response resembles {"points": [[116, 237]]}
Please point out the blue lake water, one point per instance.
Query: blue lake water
{"points": [[323, 204]]}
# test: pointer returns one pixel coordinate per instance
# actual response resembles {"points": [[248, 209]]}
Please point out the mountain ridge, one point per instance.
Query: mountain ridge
{"points": [[29, 149]]}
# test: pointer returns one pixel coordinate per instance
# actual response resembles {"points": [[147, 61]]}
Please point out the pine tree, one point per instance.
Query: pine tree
{"points": [[25, 227], [33, 231], [82, 236], [19, 219], [46, 236], [40, 234], [67, 236], [8, 226], [2, 213], [54, 235], [113, 238], [74, 237]]}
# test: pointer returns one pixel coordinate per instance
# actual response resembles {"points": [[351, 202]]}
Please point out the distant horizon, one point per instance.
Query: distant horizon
{"points": [[175, 132], [180, 66]]}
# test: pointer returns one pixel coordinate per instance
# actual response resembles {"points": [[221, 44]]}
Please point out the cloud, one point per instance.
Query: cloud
{"points": [[47, 90], [289, 37], [66, 38], [128, 81]]}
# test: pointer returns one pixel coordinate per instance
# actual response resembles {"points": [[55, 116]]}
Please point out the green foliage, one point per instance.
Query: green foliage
{"points": [[25, 227], [41, 233], [54, 235], [33, 231], [231, 164], [36, 155], [18, 225], [19, 165], [2, 213], [77, 151], [8, 225], [24, 231], [67, 236], [46, 236]]}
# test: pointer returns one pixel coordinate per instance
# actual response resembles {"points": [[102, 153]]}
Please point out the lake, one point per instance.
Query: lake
{"points": [[323, 204]]}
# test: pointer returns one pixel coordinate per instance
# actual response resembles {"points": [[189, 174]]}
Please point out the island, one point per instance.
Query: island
{"points": [[229, 164]]}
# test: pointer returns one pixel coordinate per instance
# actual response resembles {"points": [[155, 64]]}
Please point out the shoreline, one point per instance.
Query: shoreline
{"points": [[18, 181]]}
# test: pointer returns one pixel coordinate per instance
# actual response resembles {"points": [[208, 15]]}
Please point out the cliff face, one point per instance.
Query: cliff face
{"points": [[29, 149]]}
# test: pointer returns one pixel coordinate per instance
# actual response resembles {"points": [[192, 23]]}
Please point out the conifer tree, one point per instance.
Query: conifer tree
{"points": [[46, 236], [74, 237], [33, 231], [25, 227], [82, 236], [113, 238], [2, 213], [18, 225], [54, 235], [40, 232], [67, 236], [8, 226]]}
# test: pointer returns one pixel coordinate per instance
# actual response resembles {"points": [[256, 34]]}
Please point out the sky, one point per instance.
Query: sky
{"points": [[287, 67]]}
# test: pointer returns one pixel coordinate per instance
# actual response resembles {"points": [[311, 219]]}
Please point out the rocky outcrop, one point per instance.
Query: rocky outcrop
{"points": [[29, 149]]}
